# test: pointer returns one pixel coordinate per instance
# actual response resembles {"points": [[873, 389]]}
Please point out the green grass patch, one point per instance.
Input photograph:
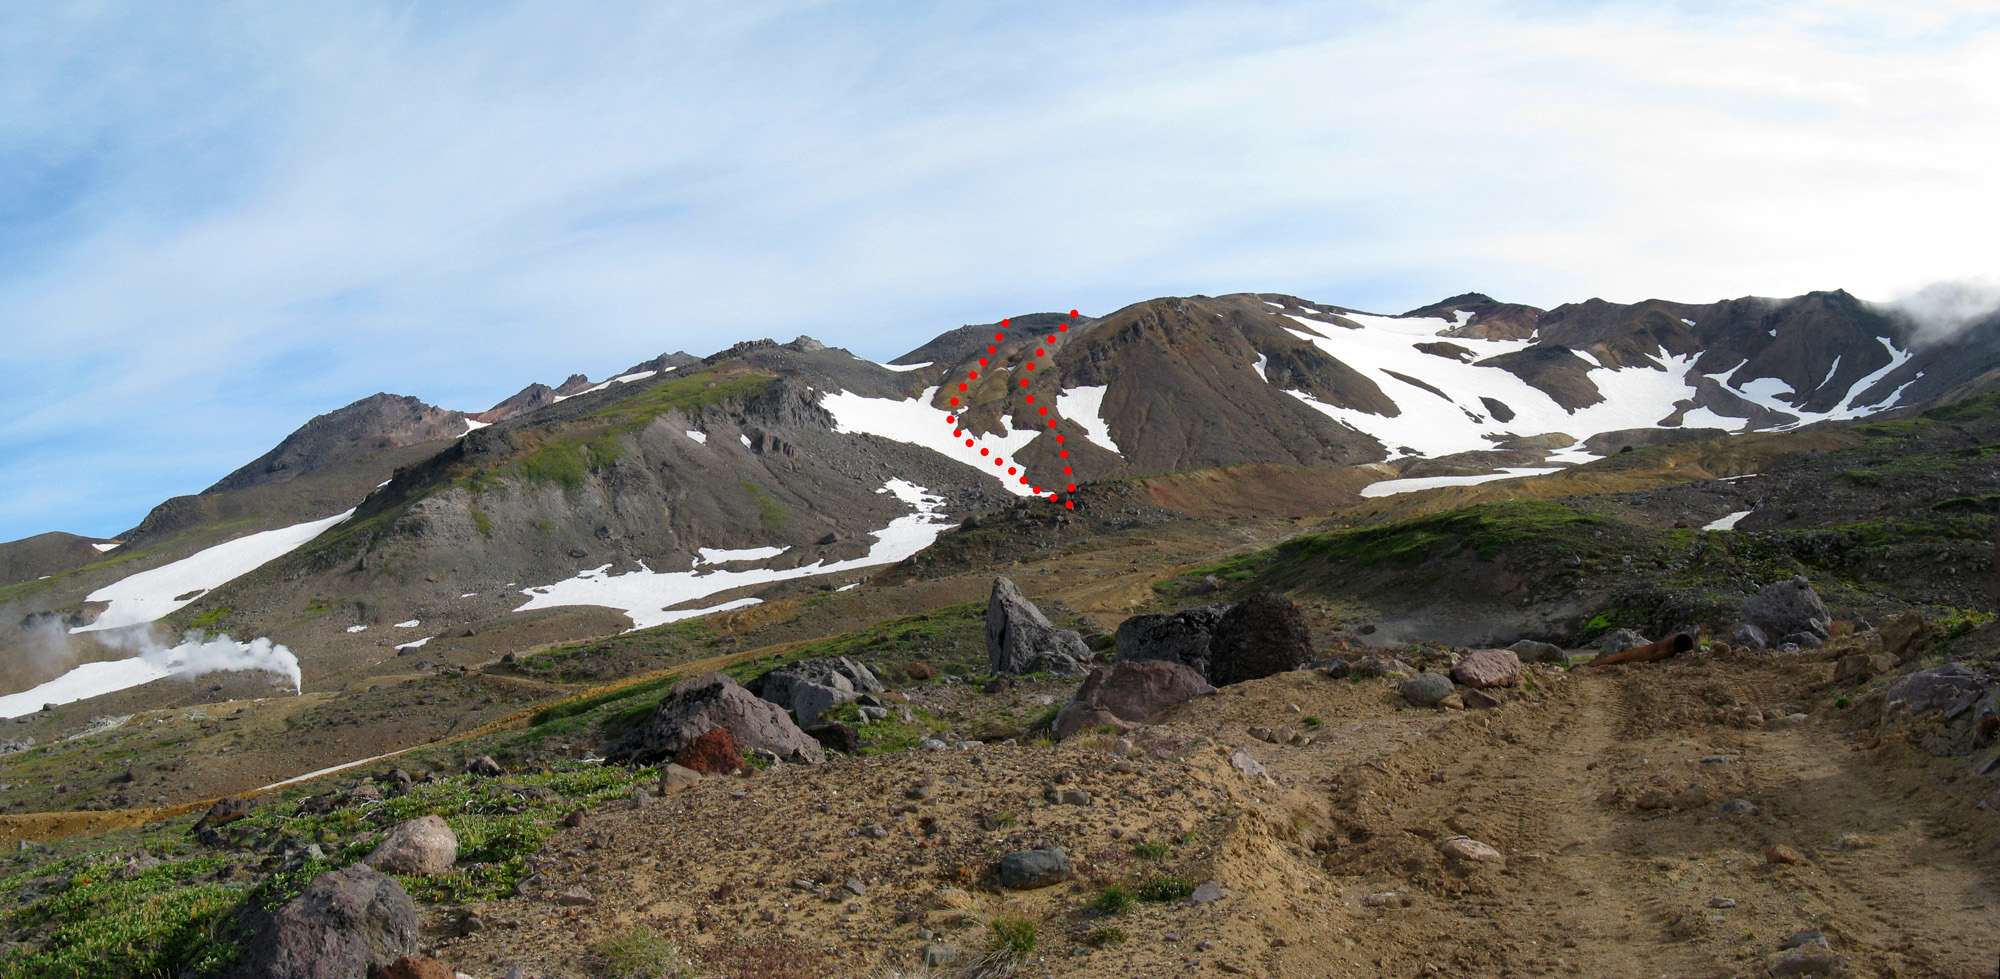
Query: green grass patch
{"points": [[1114, 899], [1164, 888]]}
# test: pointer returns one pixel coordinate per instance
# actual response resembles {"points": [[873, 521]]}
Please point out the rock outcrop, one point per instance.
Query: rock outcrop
{"points": [[1259, 637], [809, 688], [703, 704], [345, 923], [1484, 668], [1020, 639]]}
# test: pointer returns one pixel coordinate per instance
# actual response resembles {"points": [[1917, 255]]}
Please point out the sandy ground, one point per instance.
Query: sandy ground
{"points": [[1897, 862]]}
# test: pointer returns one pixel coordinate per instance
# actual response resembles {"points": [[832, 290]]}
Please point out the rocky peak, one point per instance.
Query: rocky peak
{"points": [[373, 424]]}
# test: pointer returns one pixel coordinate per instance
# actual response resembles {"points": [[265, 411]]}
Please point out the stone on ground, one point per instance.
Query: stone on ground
{"points": [[1426, 689], [1786, 607], [1259, 637], [1488, 668], [1028, 869], [425, 845], [1129, 691], [344, 923], [1620, 641], [705, 703], [1182, 637]]}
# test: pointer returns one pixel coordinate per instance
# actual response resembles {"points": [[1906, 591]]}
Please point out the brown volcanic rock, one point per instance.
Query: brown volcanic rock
{"points": [[713, 753], [372, 425], [344, 923], [1129, 691], [703, 704]]}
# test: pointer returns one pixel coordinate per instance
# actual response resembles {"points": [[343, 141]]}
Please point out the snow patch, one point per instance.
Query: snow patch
{"points": [[162, 591], [413, 645], [701, 437], [357, 628], [845, 587], [1085, 406], [629, 378], [714, 555], [470, 594], [914, 421], [1259, 367], [906, 367], [647, 596], [106, 548], [1391, 487], [413, 623], [745, 439], [1726, 523]]}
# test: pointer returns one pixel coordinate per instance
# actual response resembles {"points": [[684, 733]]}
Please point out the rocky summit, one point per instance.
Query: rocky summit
{"points": [[1242, 635]]}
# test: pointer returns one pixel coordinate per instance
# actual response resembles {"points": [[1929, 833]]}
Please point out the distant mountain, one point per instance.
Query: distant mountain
{"points": [[685, 484]]}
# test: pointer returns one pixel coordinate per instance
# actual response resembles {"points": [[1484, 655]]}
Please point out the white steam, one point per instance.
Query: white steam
{"points": [[195, 655], [1941, 310]]}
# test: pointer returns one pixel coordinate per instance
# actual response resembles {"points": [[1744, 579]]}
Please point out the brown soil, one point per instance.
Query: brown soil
{"points": [[1899, 868]]}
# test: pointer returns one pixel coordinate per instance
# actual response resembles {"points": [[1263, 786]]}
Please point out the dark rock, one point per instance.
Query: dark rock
{"points": [[1804, 640], [1620, 641], [705, 703], [835, 736], [1020, 639], [1935, 688], [839, 672], [1478, 699], [1130, 691], [1905, 632], [344, 923], [208, 829], [1028, 869], [1786, 607], [1379, 665], [830, 538], [1182, 637], [484, 765], [1259, 637]]}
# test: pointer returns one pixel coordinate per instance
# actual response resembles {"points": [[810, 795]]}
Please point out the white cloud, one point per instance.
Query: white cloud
{"points": [[234, 221]]}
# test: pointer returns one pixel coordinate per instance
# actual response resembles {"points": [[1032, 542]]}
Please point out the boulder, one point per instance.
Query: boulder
{"points": [[1935, 688], [1750, 637], [1182, 637], [1531, 651], [1140, 691], [425, 845], [1028, 869], [1488, 668], [484, 765], [715, 752], [835, 736], [675, 778], [1907, 631], [839, 672], [1426, 689], [1620, 641], [1469, 850], [1864, 665], [1379, 665], [705, 703], [344, 923], [208, 829], [1259, 637], [1020, 639], [1786, 607], [811, 701]]}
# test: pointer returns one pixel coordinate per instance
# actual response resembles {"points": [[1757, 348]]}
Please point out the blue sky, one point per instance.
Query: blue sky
{"points": [[217, 219]]}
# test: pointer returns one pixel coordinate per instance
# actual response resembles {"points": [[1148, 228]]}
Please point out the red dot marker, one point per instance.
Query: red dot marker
{"points": [[1065, 470], [998, 461], [1031, 366], [1064, 453], [992, 350], [996, 336], [1031, 399], [1052, 423], [982, 362], [985, 452], [1010, 470], [1072, 487], [950, 420], [1052, 496], [1039, 352], [1062, 438], [1063, 328], [968, 443], [975, 375], [1024, 381], [1043, 410], [1070, 504], [961, 388], [955, 400], [1072, 313], [1052, 338], [958, 433]]}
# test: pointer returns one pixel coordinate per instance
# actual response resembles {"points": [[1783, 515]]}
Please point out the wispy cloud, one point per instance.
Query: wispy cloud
{"points": [[216, 221]]}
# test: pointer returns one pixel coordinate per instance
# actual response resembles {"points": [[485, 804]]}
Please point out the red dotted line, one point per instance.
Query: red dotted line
{"points": [[1020, 468]]}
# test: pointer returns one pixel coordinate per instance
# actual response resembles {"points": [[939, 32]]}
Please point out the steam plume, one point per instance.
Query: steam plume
{"points": [[1942, 310]]}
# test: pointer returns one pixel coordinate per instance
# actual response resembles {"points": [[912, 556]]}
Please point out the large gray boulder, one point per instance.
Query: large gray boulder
{"points": [[1936, 688], [1182, 637], [1020, 639], [345, 922], [1787, 607], [1619, 641], [1130, 692], [704, 703], [839, 672], [1258, 637], [1427, 689], [425, 845], [811, 701]]}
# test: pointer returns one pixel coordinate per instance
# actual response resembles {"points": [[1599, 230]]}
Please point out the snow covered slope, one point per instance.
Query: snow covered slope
{"points": [[151, 595]]}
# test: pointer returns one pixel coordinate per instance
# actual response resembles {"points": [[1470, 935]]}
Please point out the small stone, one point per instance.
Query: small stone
{"points": [[875, 831], [1207, 892], [576, 897], [1453, 702], [1027, 869], [1242, 762], [1074, 797], [1479, 699], [574, 819], [484, 765], [1810, 936], [855, 886], [1807, 960], [1470, 850], [1739, 807], [1426, 689], [640, 797], [1721, 902], [1780, 853], [1386, 899], [941, 955], [1687, 926], [674, 778], [1170, 937], [1203, 945]]}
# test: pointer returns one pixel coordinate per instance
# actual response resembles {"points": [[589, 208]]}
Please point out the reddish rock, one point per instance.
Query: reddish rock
{"points": [[918, 671], [704, 703], [1130, 692], [1488, 668], [713, 753]]}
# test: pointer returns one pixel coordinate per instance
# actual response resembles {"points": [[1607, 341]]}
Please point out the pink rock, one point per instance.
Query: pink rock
{"points": [[1488, 668]]}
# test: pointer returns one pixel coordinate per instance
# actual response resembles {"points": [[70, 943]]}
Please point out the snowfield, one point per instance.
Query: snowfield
{"points": [[194, 656], [1085, 406], [914, 421], [1391, 487], [647, 596], [152, 595]]}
